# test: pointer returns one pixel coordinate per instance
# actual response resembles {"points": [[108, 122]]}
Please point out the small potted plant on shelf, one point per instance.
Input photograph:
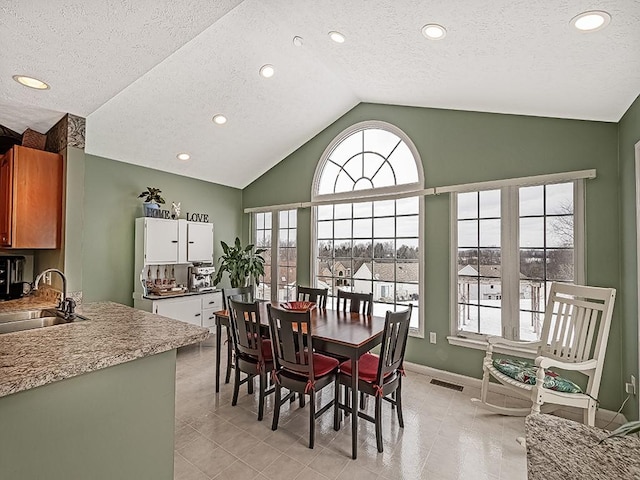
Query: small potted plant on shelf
{"points": [[152, 199], [241, 263]]}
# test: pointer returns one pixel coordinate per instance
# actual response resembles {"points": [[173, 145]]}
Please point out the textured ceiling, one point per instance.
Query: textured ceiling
{"points": [[149, 75]]}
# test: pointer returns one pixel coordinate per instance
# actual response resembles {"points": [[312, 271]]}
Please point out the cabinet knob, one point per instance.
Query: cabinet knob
{"points": [[198, 314], [174, 241], [192, 242]]}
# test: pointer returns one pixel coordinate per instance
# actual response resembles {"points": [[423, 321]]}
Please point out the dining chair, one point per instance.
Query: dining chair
{"points": [[296, 366], [254, 354], [380, 375], [575, 332], [244, 294], [355, 302], [309, 294]]}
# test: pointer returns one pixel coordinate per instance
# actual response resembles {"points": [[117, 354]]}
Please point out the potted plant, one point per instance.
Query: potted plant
{"points": [[241, 263], [152, 199]]}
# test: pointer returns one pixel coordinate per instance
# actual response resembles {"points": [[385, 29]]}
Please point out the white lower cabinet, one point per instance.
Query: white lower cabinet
{"points": [[196, 309], [187, 309]]}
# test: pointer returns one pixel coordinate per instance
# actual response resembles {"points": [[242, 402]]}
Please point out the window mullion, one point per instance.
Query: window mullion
{"points": [[510, 263], [275, 260]]}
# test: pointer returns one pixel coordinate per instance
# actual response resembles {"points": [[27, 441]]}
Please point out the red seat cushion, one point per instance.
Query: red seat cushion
{"points": [[367, 367], [323, 365]]}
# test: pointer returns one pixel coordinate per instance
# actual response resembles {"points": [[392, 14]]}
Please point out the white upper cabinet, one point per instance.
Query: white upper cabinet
{"points": [[161, 241], [173, 241], [199, 242]]}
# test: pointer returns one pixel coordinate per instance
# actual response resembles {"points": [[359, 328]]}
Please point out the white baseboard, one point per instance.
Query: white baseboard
{"points": [[603, 416]]}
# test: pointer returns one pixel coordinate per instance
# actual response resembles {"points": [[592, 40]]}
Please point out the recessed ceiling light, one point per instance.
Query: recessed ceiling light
{"points": [[591, 21], [297, 41], [433, 31], [219, 119], [183, 156], [336, 37], [31, 82], [267, 71]]}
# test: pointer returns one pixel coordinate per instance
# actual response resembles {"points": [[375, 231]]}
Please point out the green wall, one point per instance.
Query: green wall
{"points": [[460, 147], [629, 135], [111, 205]]}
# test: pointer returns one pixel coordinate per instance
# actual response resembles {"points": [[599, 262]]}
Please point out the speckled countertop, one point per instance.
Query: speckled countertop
{"points": [[561, 449], [114, 334]]}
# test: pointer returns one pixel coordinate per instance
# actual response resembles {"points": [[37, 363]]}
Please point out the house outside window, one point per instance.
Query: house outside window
{"points": [[280, 256], [510, 244], [367, 230]]}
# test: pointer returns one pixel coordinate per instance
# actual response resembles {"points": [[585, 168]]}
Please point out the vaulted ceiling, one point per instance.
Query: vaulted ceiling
{"points": [[149, 75]]}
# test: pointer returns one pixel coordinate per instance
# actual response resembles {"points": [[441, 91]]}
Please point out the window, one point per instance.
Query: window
{"points": [[511, 243], [363, 242], [280, 257]]}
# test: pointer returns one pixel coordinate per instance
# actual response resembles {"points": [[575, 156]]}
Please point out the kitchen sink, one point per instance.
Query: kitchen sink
{"points": [[30, 319]]}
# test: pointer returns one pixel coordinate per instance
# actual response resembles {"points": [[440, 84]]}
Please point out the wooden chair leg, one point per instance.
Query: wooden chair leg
{"points": [[363, 401], [302, 400], [398, 397], [312, 418], [347, 400], [379, 423], [336, 410], [393, 396], [250, 385], [276, 408], [229, 356], [263, 389], [236, 387]]}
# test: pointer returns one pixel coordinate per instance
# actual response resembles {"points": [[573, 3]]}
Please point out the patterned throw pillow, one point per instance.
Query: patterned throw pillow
{"points": [[525, 372]]}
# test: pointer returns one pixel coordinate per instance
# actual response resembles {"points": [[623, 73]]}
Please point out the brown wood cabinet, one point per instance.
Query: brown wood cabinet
{"points": [[30, 198]]}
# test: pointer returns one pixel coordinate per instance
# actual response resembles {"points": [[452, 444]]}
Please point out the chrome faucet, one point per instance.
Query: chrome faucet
{"points": [[67, 305]]}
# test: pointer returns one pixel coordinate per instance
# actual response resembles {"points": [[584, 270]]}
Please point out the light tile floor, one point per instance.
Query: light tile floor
{"points": [[445, 436]]}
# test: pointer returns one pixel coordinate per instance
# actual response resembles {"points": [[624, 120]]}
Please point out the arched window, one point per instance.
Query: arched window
{"points": [[367, 233]]}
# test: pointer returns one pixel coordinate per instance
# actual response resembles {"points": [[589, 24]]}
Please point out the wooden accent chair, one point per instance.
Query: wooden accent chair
{"points": [[243, 294], [574, 337], [317, 295], [253, 353], [355, 302], [380, 376], [296, 366]]}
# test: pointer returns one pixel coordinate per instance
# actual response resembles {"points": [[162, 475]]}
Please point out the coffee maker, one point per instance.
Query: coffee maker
{"points": [[11, 273], [201, 277]]}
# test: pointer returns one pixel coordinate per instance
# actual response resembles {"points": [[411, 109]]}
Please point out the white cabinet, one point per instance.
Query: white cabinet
{"points": [[211, 303], [186, 309], [196, 309], [160, 240], [199, 242]]}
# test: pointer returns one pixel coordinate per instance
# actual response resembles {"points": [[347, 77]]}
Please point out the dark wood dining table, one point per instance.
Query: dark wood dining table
{"points": [[346, 334]]}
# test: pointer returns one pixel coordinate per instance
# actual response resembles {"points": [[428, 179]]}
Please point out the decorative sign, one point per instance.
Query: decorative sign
{"points": [[197, 217], [156, 213]]}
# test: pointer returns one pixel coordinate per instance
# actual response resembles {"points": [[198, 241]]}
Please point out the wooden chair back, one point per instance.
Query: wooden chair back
{"points": [[576, 326], [243, 294], [317, 295], [291, 340], [355, 302], [394, 342], [245, 328]]}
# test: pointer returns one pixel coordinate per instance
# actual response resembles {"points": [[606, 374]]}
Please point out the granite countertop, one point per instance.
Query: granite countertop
{"points": [[188, 293], [114, 334], [44, 297], [562, 449]]}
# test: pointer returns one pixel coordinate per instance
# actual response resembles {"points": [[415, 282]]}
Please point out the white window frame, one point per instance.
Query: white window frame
{"points": [[510, 256], [372, 195], [275, 244]]}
